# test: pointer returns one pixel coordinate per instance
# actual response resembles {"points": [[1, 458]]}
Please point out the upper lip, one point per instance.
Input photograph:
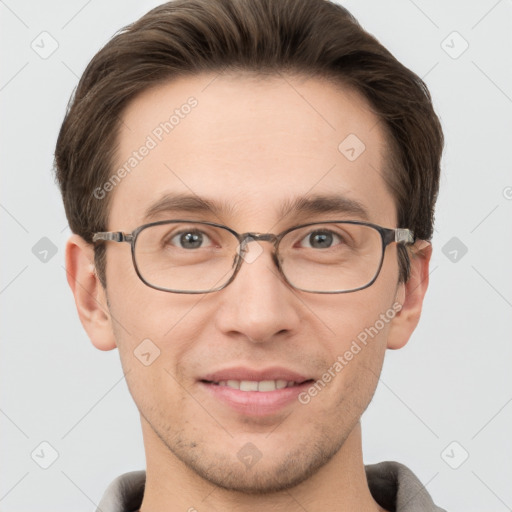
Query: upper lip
{"points": [[241, 373]]}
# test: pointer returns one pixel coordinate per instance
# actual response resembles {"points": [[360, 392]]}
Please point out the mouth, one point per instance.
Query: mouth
{"points": [[261, 386], [256, 398], [255, 392]]}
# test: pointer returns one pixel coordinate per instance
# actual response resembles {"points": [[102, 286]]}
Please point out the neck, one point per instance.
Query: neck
{"points": [[339, 485]]}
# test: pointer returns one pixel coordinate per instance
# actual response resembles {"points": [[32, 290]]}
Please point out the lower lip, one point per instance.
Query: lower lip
{"points": [[256, 403]]}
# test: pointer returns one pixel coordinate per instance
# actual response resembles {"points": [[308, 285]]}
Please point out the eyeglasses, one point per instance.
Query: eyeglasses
{"points": [[182, 256]]}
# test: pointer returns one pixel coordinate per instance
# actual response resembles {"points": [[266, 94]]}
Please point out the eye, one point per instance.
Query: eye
{"points": [[190, 239], [321, 239]]}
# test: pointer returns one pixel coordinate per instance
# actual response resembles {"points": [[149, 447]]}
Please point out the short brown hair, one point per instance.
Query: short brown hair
{"points": [[304, 37]]}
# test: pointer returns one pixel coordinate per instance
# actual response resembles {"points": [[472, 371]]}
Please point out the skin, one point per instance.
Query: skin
{"points": [[253, 143]]}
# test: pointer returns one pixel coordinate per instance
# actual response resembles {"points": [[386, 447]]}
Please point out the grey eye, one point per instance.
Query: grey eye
{"points": [[189, 239], [320, 239]]}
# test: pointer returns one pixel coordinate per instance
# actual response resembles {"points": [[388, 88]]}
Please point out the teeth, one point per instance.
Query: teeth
{"points": [[244, 385], [266, 385], [254, 385], [280, 384]]}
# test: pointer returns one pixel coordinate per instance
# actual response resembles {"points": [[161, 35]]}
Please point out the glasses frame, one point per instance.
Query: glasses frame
{"points": [[388, 235]]}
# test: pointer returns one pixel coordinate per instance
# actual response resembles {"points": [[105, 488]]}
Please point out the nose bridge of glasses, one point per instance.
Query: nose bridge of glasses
{"points": [[245, 238]]}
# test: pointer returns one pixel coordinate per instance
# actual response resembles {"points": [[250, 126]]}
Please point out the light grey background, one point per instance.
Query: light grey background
{"points": [[451, 383]]}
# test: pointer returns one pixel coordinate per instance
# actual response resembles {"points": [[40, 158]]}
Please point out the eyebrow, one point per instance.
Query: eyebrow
{"points": [[299, 206]]}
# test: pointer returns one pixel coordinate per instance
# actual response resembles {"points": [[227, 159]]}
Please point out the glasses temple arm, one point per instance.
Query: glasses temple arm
{"points": [[112, 236], [404, 235]]}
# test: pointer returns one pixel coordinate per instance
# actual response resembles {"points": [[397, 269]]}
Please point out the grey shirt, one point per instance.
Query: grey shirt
{"points": [[392, 485]]}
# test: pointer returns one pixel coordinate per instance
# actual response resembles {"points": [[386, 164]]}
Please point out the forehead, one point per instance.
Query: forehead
{"points": [[250, 148]]}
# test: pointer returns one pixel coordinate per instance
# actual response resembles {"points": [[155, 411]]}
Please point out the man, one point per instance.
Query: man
{"points": [[274, 170]]}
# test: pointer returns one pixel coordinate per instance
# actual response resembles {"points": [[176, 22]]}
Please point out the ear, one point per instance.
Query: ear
{"points": [[410, 295], [90, 296]]}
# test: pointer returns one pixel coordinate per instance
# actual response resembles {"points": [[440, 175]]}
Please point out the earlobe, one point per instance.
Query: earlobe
{"points": [[411, 295], [89, 294]]}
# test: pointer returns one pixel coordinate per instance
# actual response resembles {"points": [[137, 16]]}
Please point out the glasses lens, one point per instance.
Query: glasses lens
{"points": [[331, 257], [190, 257]]}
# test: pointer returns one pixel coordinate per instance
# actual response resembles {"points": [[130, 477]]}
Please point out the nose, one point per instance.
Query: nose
{"points": [[258, 304]]}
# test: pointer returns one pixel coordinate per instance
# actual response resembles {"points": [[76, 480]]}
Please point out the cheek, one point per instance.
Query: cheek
{"points": [[358, 316], [139, 311], [358, 324], [154, 330], [353, 372], [153, 341]]}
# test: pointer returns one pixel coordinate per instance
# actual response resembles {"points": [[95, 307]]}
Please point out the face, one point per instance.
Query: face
{"points": [[252, 145]]}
